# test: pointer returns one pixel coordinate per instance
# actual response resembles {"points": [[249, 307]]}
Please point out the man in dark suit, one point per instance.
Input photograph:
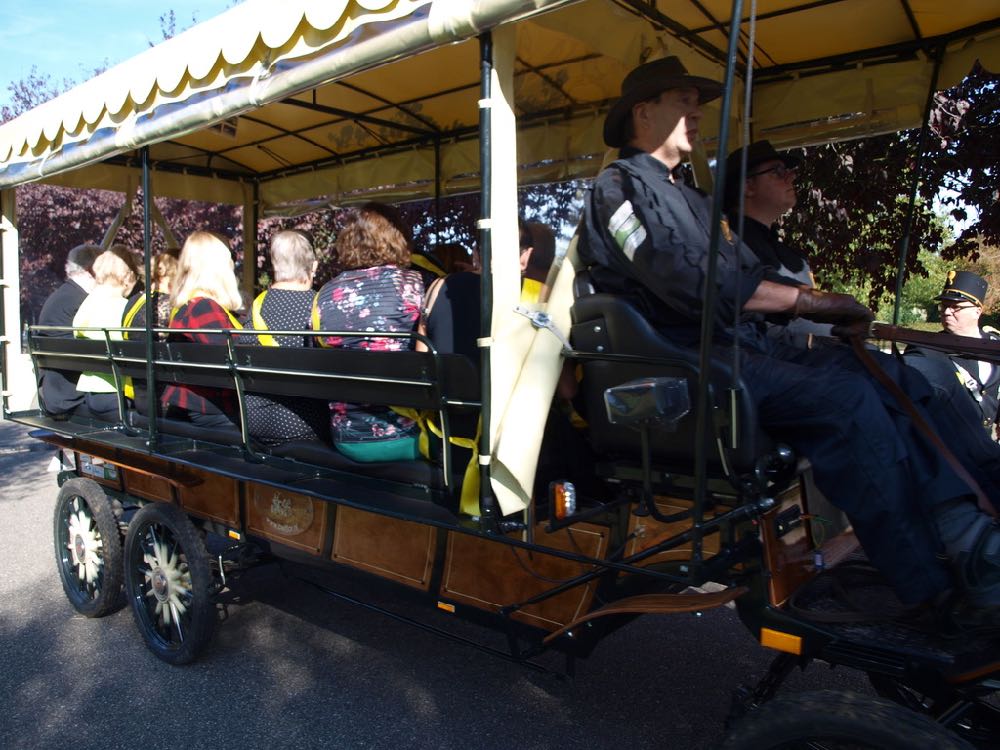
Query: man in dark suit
{"points": [[58, 387], [961, 305], [645, 236]]}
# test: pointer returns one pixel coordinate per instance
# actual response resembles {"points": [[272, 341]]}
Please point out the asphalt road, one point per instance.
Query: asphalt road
{"points": [[292, 668]]}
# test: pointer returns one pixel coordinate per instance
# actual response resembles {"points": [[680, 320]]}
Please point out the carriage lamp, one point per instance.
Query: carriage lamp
{"points": [[562, 497]]}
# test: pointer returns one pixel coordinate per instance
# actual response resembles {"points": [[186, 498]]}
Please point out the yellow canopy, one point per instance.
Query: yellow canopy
{"points": [[299, 96]]}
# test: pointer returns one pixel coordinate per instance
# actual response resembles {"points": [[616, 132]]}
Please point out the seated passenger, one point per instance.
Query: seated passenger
{"points": [[204, 295], [645, 236], [103, 308], [538, 250], [961, 304], [376, 293], [163, 268], [286, 306], [768, 194], [57, 388]]}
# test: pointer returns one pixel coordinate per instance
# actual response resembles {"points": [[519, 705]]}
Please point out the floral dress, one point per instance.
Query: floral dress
{"points": [[371, 300]]}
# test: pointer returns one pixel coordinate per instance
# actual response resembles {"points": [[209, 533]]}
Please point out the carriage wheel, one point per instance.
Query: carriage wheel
{"points": [[88, 548], [169, 583], [829, 720], [980, 724]]}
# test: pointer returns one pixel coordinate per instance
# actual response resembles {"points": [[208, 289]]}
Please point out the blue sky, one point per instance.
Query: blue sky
{"points": [[70, 39]]}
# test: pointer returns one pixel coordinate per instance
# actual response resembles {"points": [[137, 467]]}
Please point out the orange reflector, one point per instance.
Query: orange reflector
{"points": [[235, 535], [563, 499], [790, 644], [446, 607]]}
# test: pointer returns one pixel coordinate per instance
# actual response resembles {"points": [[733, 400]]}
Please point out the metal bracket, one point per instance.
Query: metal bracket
{"points": [[542, 320]]}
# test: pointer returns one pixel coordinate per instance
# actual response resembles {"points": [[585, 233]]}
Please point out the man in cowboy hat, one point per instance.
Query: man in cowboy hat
{"points": [[645, 237], [961, 304], [767, 191]]}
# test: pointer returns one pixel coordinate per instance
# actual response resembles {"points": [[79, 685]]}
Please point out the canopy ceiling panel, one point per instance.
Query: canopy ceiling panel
{"points": [[293, 95]]}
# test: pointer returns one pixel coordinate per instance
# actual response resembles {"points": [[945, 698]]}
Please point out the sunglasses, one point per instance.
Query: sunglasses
{"points": [[781, 171], [955, 308]]}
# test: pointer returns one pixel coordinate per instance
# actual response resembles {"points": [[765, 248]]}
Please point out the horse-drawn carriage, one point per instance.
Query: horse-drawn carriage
{"points": [[688, 505]]}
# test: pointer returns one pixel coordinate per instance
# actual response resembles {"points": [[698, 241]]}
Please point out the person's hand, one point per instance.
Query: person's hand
{"points": [[830, 307]]}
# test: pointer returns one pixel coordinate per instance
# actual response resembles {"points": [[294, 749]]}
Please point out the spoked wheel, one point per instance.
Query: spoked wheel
{"points": [[831, 720], [979, 722], [88, 548], [169, 583]]}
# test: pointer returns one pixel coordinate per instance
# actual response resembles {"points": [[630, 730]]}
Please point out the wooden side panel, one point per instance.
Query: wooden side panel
{"points": [[400, 550], [99, 470], [646, 532], [286, 517], [791, 559], [215, 497], [489, 575], [147, 486]]}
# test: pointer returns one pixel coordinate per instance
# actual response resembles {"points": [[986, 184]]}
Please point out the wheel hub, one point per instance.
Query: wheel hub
{"points": [[161, 585], [169, 581], [85, 546]]}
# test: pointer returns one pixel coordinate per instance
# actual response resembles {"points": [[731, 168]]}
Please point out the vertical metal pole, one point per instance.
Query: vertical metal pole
{"points": [[486, 502], [437, 190], [918, 162], [147, 252], [8, 339], [702, 404]]}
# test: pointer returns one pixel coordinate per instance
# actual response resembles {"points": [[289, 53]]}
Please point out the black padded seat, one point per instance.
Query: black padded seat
{"points": [[419, 472], [180, 428], [609, 326]]}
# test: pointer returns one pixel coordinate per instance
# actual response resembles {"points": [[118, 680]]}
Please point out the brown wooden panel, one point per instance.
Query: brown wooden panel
{"points": [[146, 485], [400, 550], [646, 532], [489, 575], [287, 517], [101, 471], [791, 559], [216, 497]]}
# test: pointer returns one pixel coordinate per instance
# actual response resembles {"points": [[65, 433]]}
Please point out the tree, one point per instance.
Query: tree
{"points": [[854, 196]]}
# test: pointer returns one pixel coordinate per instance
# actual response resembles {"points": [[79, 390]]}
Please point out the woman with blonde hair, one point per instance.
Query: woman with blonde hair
{"points": [[205, 294], [377, 292], [103, 307], [163, 268]]}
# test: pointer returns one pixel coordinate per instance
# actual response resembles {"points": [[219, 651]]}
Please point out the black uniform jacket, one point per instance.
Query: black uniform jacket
{"points": [[985, 394], [645, 238], [58, 386]]}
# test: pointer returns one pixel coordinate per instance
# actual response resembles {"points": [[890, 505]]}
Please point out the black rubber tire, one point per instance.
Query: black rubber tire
{"points": [[94, 552], [980, 725], [829, 718], [169, 583]]}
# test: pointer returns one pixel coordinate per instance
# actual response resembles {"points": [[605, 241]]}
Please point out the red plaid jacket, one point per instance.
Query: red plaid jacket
{"points": [[201, 312]]}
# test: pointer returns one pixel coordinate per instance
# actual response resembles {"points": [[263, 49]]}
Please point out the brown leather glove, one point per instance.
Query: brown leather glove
{"points": [[830, 307]]}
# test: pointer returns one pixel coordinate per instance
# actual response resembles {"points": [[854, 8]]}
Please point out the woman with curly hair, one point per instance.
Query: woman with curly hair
{"points": [[376, 293]]}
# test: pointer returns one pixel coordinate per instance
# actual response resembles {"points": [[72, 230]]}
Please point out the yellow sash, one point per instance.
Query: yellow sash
{"points": [[258, 321]]}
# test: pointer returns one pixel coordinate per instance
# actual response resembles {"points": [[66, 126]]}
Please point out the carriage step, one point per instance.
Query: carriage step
{"points": [[662, 604]]}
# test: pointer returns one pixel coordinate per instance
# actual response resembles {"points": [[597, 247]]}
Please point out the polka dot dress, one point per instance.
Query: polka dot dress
{"points": [[278, 419]]}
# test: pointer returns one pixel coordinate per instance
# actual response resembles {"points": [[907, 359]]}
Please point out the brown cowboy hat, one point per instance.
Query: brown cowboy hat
{"points": [[647, 81]]}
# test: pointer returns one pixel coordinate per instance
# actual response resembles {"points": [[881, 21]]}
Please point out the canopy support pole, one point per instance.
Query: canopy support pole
{"points": [[251, 198], [123, 213], [487, 505], [702, 404], [437, 191], [918, 162], [147, 251]]}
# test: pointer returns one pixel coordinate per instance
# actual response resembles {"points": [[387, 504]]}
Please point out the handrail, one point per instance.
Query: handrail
{"points": [[237, 370]]}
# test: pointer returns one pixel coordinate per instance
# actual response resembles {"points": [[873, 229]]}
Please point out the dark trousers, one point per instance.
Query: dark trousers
{"points": [[867, 456]]}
